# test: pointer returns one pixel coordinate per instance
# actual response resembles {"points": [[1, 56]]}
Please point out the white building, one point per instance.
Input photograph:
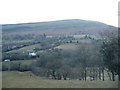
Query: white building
{"points": [[7, 60], [32, 54]]}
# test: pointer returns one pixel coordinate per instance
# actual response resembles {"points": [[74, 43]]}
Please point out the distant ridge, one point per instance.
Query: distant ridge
{"points": [[59, 27]]}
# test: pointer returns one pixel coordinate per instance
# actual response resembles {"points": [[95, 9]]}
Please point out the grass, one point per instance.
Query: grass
{"points": [[16, 41], [79, 36], [86, 41], [24, 49], [27, 62], [15, 79], [83, 35], [68, 47], [74, 47]]}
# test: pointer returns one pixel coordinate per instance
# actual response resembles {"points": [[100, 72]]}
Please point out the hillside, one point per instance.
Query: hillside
{"points": [[60, 27]]}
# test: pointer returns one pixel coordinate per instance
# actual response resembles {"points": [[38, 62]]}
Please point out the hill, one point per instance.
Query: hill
{"points": [[60, 27]]}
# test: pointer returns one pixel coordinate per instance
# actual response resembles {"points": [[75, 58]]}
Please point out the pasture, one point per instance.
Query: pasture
{"points": [[68, 47], [15, 79], [27, 62], [24, 49]]}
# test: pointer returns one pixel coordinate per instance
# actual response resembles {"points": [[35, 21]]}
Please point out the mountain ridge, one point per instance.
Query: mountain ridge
{"points": [[58, 27]]}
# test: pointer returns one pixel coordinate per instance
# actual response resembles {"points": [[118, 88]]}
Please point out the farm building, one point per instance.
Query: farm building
{"points": [[7, 60], [32, 54]]}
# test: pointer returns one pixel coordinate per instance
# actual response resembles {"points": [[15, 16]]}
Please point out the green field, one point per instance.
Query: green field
{"points": [[15, 79], [68, 47], [16, 41], [24, 49], [73, 46], [86, 41], [26, 62], [78, 36]]}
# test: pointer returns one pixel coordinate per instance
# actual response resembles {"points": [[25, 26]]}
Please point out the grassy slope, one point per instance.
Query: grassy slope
{"points": [[15, 79], [68, 46], [27, 62], [30, 48], [74, 46], [16, 41], [83, 35]]}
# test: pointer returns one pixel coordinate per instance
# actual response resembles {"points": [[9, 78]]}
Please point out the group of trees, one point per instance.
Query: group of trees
{"points": [[110, 50], [80, 64]]}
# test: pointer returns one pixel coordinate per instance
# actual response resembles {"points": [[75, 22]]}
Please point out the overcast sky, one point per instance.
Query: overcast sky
{"points": [[24, 11]]}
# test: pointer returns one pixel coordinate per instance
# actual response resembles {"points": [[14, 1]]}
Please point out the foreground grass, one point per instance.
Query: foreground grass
{"points": [[15, 79]]}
